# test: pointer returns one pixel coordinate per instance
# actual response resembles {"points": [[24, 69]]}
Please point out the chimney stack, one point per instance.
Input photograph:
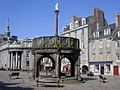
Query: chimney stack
{"points": [[99, 18], [118, 21]]}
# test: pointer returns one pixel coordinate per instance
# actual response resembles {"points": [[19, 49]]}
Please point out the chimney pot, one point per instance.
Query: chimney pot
{"points": [[118, 21]]}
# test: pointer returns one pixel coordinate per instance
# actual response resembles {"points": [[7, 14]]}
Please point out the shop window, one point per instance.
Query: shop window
{"points": [[97, 68], [108, 68]]}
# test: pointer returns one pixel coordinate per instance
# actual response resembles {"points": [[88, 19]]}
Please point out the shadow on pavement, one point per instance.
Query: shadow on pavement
{"points": [[52, 86], [90, 78], [6, 86], [16, 78]]}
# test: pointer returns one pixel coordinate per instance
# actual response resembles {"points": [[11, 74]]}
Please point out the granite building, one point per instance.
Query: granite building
{"points": [[101, 51], [105, 50], [14, 53], [99, 42], [82, 28]]}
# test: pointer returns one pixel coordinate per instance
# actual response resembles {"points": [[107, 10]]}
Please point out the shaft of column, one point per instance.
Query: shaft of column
{"points": [[57, 66], [16, 60], [56, 19], [11, 60]]}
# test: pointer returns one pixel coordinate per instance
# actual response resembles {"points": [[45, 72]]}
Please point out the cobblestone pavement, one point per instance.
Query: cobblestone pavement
{"points": [[25, 83]]}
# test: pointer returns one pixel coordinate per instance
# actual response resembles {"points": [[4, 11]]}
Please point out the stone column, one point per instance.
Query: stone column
{"points": [[11, 60], [77, 68], [56, 19], [16, 64], [57, 68], [34, 67], [22, 61], [21, 55]]}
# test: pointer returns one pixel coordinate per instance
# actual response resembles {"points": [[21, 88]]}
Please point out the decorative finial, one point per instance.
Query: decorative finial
{"points": [[56, 7]]}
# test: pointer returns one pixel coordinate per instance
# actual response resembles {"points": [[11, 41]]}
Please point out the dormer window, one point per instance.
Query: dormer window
{"points": [[83, 21], [76, 23], [96, 34], [107, 31], [119, 34]]}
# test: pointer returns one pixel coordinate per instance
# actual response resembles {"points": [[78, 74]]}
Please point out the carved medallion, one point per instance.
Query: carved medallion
{"points": [[64, 42], [51, 42], [40, 43]]}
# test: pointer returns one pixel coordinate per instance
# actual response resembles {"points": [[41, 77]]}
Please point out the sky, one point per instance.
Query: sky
{"points": [[35, 18]]}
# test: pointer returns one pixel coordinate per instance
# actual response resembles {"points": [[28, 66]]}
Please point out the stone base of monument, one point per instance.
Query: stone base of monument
{"points": [[48, 81]]}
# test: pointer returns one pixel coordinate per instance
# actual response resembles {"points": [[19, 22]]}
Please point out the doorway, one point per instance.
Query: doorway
{"points": [[84, 69], [102, 69], [116, 70]]}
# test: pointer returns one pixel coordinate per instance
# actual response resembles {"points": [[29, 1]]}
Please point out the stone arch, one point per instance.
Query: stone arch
{"points": [[84, 69], [73, 62], [65, 67], [39, 61]]}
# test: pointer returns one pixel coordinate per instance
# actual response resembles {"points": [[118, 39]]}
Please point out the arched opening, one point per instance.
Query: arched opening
{"points": [[45, 66], [65, 67], [84, 69]]}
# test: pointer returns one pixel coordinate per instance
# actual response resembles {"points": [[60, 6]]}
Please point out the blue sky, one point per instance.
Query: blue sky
{"points": [[35, 18]]}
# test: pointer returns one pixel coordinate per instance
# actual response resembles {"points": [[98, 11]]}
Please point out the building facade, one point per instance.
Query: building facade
{"points": [[82, 29], [101, 51], [99, 42], [104, 50], [15, 54]]}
